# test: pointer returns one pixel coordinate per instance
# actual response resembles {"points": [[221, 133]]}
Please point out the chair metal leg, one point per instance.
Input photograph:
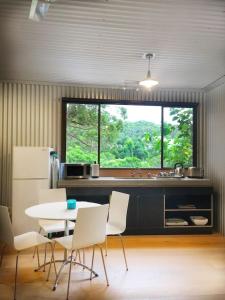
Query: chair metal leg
{"points": [[103, 261], [75, 258], [38, 258], [17, 258], [45, 257], [49, 269], [52, 260], [79, 255], [84, 258], [35, 249], [2, 254], [68, 287], [65, 262], [106, 246], [53, 257], [124, 254], [92, 262]]}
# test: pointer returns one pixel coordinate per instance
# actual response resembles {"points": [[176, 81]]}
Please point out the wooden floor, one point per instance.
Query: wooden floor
{"points": [[160, 267]]}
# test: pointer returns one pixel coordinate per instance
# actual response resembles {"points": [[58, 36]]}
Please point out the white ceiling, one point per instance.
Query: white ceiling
{"points": [[101, 42]]}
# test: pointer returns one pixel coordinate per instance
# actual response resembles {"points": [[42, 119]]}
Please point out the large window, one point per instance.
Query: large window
{"points": [[128, 136], [82, 133]]}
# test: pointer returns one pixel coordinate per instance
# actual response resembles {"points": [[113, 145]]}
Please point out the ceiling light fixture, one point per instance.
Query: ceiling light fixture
{"points": [[39, 9], [148, 82]]}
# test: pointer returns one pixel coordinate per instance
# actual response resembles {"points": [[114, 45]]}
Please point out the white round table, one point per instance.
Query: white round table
{"points": [[57, 211]]}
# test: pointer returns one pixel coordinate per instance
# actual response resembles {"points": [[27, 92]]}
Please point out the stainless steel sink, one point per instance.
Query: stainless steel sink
{"points": [[168, 177], [133, 178]]}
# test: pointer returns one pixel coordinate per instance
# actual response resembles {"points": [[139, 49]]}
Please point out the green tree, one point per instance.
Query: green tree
{"points": [[125, 143], [82, 131], [81, 137], [178, 137]]}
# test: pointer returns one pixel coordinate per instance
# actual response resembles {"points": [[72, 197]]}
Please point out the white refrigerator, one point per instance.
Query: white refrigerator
{"points": [[32, 171]]}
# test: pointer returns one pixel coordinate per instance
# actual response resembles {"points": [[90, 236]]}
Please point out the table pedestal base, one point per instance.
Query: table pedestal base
{"points": [[47, 263], [67, 261]]}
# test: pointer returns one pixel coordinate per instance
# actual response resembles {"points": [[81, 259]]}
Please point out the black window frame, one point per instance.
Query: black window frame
{"points": [[163, 104]]}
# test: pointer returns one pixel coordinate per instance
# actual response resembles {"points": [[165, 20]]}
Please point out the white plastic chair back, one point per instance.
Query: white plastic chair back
{"points": [[118, 210], [51, 195], [6, 232], [90, 226]]}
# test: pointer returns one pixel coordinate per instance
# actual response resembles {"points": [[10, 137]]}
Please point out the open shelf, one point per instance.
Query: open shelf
{"points": [[202, 205], [189, 209], [188, 226]]}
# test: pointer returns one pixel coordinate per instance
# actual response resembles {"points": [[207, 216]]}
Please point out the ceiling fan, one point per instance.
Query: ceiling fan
{"points": [[148, 82], [39, 9], [131, 85]]}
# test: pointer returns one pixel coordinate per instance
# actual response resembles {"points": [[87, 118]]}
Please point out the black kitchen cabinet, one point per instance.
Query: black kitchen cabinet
{"points": [[150, 206], [132, 216], [102, 196], [97, 195]]}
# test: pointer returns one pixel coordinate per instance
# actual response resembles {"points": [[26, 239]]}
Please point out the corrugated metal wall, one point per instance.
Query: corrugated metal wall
{"points": [[215, 147], [30, 115]]}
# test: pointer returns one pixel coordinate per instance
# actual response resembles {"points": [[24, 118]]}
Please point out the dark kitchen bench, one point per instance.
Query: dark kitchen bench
{"points": [[151, 203]]}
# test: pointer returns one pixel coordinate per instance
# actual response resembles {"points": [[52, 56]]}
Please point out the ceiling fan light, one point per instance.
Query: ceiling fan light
{"points": [[148, 83]]}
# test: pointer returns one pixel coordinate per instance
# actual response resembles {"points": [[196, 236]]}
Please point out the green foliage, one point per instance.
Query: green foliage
{"points": [[126, 144], [137, 144], [76, 154], [81, 137], [178, 137]]}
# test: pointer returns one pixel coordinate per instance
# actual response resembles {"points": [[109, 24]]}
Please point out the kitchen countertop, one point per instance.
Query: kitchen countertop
{"points": [[135, 182]]}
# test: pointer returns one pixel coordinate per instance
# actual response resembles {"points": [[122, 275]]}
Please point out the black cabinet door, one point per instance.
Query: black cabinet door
{"points": [[132, 215], [102, 196], [96, 195], [150, 210]]}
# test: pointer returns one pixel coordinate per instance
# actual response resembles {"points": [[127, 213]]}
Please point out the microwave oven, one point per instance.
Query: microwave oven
{"points": [[75, 171]]}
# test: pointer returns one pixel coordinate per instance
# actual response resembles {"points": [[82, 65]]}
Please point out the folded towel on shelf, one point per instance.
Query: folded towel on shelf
{"points": [[176, 222], [186, 206]]}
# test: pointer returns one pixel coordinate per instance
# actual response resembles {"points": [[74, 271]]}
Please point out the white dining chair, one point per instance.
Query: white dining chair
{"points": [[90, 230], [53, 195], [116, 224], [48, 227], [19, 242]]}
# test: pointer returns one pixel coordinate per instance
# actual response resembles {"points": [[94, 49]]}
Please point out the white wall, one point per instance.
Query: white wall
{"points": [[215, 146], [30, 115]]}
